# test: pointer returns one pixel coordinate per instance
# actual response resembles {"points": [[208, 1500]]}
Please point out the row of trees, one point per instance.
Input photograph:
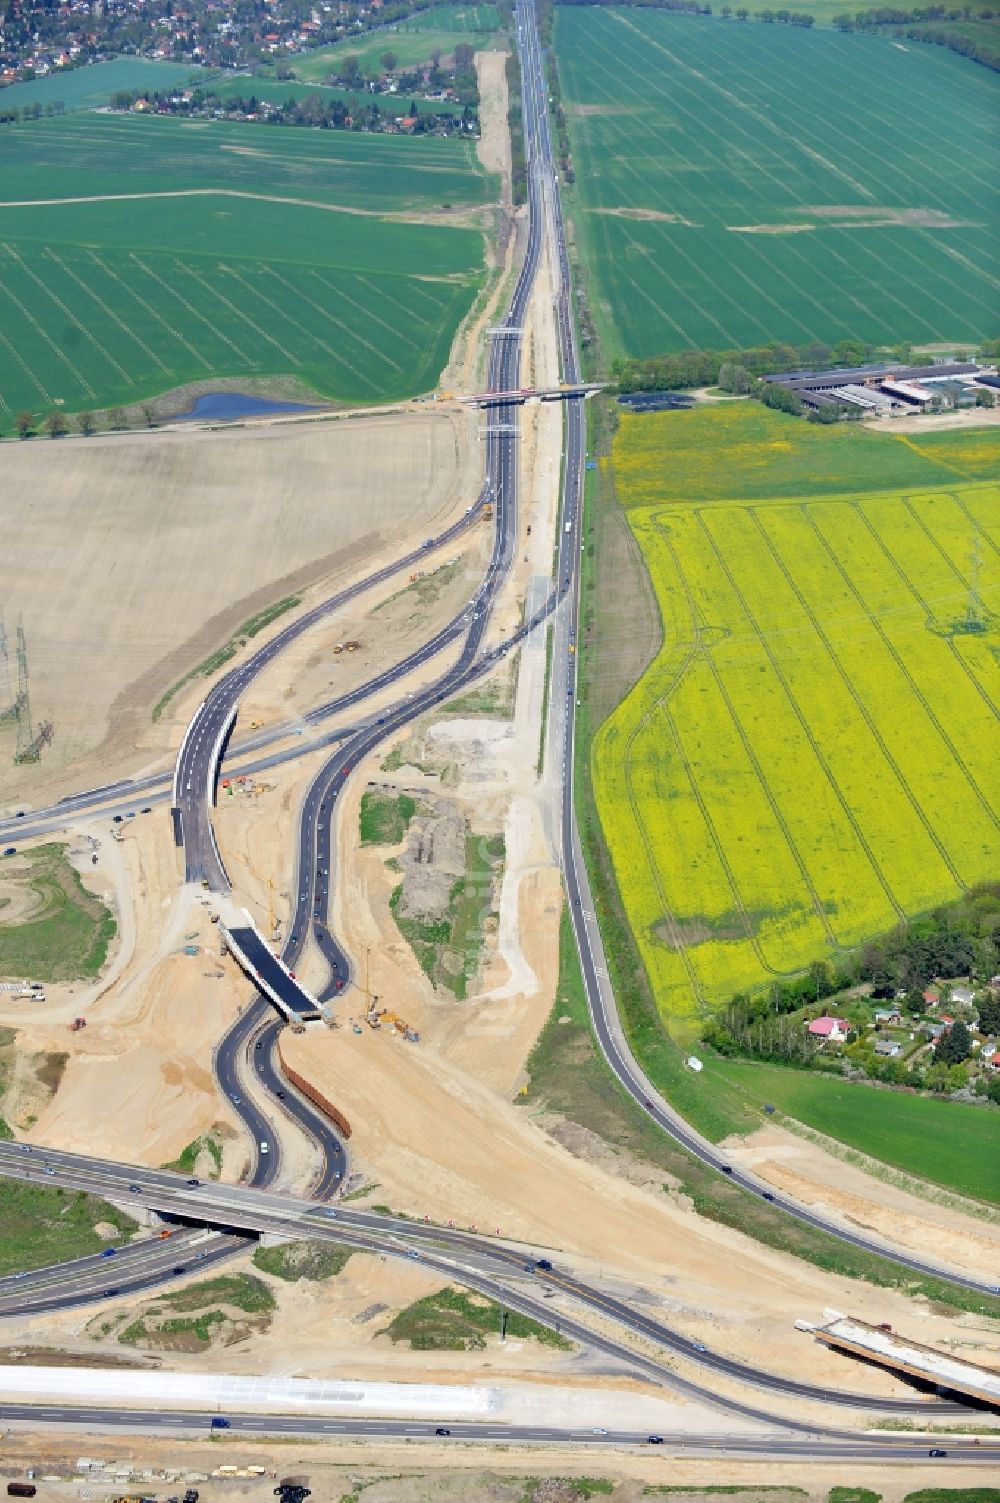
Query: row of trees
{"points": [[11, 114], [963, 29], [515, 122], [314, 110], [689, 368], [56, 424]]}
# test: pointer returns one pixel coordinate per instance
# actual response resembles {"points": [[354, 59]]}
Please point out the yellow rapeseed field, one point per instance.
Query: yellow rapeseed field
{"points": [[813, 754]]}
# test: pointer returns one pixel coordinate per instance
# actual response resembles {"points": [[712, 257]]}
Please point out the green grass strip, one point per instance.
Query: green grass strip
{"points": [[229, 649]]}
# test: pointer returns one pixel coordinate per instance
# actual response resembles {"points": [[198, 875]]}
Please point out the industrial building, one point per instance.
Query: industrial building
{"points": [[889, 390]]}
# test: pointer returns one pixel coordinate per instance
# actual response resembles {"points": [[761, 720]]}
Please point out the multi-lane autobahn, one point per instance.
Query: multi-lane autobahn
{"points": [[239, 1061], [516, 1276]]}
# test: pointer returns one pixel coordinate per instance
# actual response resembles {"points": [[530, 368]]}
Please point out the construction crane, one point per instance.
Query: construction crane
{"points": [[372, 1010]]}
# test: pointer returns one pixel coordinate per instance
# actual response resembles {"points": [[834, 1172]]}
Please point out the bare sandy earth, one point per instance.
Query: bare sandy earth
{"points": [[446, 1472], [929, 422], [939, 1225], [493, 147], [138, 1083], [187, 535]]}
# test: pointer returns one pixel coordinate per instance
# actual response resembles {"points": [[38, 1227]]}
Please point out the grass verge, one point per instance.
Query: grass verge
{"points": [[293, 1261], [453, 1320], [546, 689], [385, 819], [43, 1224], [188, 1157], [243, 1290]]}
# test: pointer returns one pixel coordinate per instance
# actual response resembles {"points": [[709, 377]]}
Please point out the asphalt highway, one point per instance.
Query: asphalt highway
{"points": [[197, 767], [501, 1270], [733, 1447]]}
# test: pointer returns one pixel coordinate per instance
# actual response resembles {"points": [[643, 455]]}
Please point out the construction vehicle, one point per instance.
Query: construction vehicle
{"points": [[76, 1025], [488, 512], [255, 725]]}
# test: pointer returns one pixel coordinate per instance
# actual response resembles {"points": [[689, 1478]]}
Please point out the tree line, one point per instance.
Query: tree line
{"points": [[362, 113], [689, 368], [10, 114], [946, 26], [56, 424], [702, 8], [741, 372]]}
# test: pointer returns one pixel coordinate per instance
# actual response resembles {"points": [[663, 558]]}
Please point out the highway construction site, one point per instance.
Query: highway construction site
{"points": [[418, 1156]]}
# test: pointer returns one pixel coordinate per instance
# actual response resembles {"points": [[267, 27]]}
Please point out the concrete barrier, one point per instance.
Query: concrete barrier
{"points": [[316, 1097]]}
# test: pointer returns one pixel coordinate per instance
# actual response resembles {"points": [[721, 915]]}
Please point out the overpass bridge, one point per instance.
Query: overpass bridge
{"points": [[523, 394]]}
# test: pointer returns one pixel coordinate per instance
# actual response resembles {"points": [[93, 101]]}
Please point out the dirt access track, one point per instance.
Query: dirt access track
{"points": [[132, 557]]}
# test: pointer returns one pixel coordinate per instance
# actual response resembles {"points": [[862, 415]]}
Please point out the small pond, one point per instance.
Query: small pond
{"points": [[227, 406]]}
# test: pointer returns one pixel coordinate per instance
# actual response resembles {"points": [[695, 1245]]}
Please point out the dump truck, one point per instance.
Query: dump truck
{"points": [[76, 1025]]}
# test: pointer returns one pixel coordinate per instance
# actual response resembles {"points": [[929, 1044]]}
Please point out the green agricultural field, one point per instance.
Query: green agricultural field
{"points": [[812, 755], [413, 41], [205, 249], [87, 88], [738, 184], [746, 450], [953, 1145]]}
